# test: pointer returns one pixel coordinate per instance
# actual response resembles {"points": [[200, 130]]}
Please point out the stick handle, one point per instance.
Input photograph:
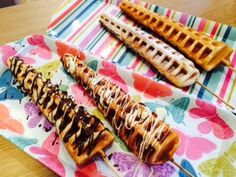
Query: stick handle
{"points": [[227, 63], [207, 89], [111, 166], [181, 168]]}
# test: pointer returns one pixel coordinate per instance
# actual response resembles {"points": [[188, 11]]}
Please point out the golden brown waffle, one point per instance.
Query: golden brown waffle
{"points": [[144, 133], [203, 50], [84, 135], [169, 62]]}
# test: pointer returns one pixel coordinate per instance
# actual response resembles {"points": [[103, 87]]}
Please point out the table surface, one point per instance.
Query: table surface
{"points": [[19, 21]]}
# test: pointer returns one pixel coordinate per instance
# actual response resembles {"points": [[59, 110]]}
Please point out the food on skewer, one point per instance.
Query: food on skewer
{"points": [[205, 51], [169, 62], [148, 137], [84, 135]]}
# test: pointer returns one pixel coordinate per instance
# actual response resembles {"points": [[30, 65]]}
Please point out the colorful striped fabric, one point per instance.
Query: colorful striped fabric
{"points": [[76, 22]]}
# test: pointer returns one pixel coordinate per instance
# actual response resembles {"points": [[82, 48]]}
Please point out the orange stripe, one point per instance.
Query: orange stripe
{"points": [[214, 30], [63, 15]]}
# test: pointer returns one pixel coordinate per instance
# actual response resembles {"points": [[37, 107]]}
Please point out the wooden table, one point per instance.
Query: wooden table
{"points": [[19, 21]]}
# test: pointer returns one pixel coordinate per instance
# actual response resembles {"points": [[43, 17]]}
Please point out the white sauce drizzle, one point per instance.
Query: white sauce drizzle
{"points": [[137, 114], [71, 66], [152, 171]]}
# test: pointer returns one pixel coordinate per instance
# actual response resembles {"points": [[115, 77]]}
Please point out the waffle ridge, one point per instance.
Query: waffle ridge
{"points": [[144, 133], [169, 62], [205, 51]]}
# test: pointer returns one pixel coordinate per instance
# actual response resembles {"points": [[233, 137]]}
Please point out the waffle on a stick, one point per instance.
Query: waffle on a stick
{"points": [[169, 62], [205, 51], [148, 137], [84, 135]]}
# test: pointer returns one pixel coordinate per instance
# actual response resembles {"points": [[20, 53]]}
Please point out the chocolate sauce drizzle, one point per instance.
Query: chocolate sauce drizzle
{"points": [[74, 122]]}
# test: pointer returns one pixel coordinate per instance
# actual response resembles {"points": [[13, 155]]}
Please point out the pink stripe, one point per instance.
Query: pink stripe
{"points": [[202, 25], [64, 14], [104, 44], [184, 19], [136, 62], [168, 13], [91, 36], [213, 32], [146, 5], [114, 12], [227, 78], [87, 21], [150, 73], [118, 2], [94, 33]]}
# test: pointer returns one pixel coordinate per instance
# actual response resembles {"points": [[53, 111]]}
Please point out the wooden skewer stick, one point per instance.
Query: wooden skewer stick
{"points": [[227, 63], [111, 166], [231, 67], [181, 168], [207, 89]]}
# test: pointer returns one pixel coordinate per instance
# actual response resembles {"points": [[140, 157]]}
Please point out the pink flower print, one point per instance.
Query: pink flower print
{"points": [[109, 70], [8, 51], [42, 49], [194, 147], [81, 97], [48, 154], [9, 123], [212, 121], [152, 89]]}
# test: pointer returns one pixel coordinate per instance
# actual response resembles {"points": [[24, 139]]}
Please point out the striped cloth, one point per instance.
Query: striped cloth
{"points": [[76, 22]]}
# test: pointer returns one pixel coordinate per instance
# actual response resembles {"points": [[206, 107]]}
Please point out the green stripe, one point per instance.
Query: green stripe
{"points": [[173, 15], [190, 20], [87, 27], [218, 32], [117, 52], [94, 42]]}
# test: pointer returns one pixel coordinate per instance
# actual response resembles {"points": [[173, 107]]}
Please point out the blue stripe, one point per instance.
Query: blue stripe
{"points": [[193, 22], [226, 33], [89, 5], [125, 58], [156, 9], [161, 11], [94, 42], [69, 16], [201, 92], [205, 82]]}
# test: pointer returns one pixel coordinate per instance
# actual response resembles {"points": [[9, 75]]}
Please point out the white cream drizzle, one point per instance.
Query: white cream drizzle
{"points": [[71, 66], [138, 113], [151, 173], [161, 112]]}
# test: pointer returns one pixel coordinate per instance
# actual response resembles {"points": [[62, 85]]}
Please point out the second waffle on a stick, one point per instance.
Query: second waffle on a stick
{"points": [[173, 65], [205, 51]]}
